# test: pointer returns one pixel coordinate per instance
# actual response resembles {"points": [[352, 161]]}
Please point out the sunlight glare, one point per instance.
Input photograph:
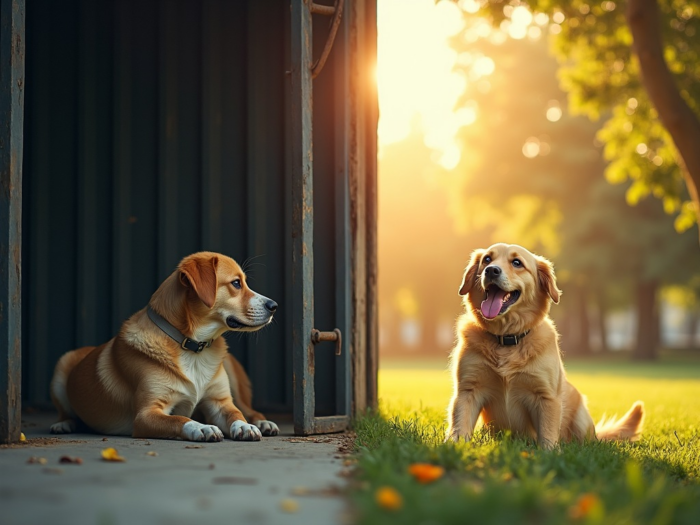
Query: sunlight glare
{"points": [[484, 66], [554, 111], [521, 16], [470, 6], [415, 73], [531, 148]]}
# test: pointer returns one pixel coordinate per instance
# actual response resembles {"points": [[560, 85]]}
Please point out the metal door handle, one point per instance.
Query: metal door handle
{"points": [[320, 337]]}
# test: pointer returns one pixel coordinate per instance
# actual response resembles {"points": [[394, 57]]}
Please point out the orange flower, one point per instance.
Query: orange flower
{"points": [[388, 498], [585, 505], [111, 454], [425, 472], [525, 454]]}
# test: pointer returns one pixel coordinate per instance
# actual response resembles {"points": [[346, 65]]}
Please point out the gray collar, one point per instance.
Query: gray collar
{"points": [[185, 342]]}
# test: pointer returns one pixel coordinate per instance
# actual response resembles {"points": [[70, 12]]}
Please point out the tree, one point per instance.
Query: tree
{"points": [[595, 44]]}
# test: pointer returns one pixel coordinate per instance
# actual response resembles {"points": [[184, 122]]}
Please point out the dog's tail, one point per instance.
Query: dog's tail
{"points": [[627, 427]]}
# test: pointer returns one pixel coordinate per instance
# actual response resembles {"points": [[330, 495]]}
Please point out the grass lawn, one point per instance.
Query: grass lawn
{"points": [[504, 480]]}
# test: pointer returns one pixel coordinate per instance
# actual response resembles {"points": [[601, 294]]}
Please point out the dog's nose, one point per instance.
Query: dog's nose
{"points": [[270, 306], [493, 271]]}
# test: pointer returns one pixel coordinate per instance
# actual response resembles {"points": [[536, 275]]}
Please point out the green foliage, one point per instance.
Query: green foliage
{"points": [[502, 479], [601, 76]]}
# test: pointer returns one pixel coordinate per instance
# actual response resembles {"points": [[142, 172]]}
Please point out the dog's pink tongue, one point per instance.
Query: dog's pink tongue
{"points": [[493, 303]]}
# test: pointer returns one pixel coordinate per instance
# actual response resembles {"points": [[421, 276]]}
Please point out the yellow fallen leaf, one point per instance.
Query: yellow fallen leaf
{"points": [[289, 505], [111, 454], [425, 472], [152, 453], [388, 498], [22, 437]]}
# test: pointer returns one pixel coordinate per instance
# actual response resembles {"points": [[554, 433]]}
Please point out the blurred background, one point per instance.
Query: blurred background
{"points": [[505, 124]]}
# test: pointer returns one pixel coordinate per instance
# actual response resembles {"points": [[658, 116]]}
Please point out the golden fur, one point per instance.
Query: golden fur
{"points": [[522, 388], [142, 383]]}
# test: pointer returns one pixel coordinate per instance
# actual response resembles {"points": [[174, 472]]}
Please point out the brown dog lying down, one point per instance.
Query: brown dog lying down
{"points": [[507, 364], [169, 362]]}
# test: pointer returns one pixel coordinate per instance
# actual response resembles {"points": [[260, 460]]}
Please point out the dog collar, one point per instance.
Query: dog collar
{"points": [[510, 339], [185, 342]]}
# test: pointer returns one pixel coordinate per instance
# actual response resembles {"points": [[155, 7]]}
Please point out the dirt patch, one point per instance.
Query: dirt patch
{"points": [[42, 442], [344, 442]]}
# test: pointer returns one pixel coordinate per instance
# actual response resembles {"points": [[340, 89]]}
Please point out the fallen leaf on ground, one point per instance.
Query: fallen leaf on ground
{"points": [[111, 454], [22, 437], [234, 480], [289, 505], [325, 492], [36, 459], [69, 459], [152, 453], [587, 505], [105, 439], [425, 472], [388, 498], [193, 446]]}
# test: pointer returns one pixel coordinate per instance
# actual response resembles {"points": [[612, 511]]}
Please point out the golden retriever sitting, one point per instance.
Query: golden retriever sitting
{"points": [[507, 365], [169, 362]]}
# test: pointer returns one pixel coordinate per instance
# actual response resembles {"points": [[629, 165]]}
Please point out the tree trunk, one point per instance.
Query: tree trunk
{"points": [[683, 125], [576, 338], [693, 322], [648, 322], [602, 311], [584, 321], [428, 331]]}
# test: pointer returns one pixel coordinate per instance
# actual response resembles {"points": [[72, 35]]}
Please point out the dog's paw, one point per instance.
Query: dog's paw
{"points": [[242, 431], [456, 438], [546, 444], [63, 427], [268, 428], [194, 431]]}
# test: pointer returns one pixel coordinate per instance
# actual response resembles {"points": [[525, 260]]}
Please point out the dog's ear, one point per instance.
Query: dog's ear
{"points": [[199, 273], [470, 272], [547, 280]]}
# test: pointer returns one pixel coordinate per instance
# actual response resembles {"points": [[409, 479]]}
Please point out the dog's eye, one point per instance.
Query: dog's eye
{"points": [[517, 263], [236, 284], [486, 260]]}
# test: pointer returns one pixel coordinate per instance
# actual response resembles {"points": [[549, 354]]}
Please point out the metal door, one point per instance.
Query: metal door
{"points": [[308, 339]]}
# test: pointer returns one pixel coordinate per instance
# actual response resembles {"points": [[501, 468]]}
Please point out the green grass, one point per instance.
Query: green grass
{"points": [[504, 480]]}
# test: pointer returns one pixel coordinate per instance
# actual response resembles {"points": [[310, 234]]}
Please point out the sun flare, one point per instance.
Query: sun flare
{"points": [[416, 77]]}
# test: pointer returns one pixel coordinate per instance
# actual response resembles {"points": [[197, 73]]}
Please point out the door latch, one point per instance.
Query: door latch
{"points": [[319, 337]]}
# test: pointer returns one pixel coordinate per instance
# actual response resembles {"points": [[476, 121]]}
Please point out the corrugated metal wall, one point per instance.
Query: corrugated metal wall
{"points": [[155, 129]]}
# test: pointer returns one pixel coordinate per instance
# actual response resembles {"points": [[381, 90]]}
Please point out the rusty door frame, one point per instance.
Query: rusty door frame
{"points": [[12, 16]]}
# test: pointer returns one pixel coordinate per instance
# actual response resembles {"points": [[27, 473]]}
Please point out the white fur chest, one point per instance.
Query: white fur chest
{"points": [[199, 370]]}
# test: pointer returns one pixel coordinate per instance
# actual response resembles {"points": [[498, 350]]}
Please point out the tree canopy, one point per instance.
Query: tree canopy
{"points": [[593, 42]]}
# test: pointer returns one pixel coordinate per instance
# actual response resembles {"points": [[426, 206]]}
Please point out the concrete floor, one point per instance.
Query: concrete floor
{"points": [[280, 480]]}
